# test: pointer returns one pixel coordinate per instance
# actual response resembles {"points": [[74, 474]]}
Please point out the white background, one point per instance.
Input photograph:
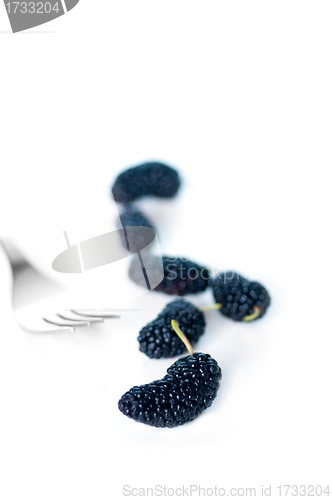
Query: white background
{"points": [[237, 95]]}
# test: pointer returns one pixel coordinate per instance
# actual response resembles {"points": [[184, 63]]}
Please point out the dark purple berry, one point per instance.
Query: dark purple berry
{"points": [[152, 178], [239, 296], [189, 387], [158, 339], [181, 276], [133, 237]]}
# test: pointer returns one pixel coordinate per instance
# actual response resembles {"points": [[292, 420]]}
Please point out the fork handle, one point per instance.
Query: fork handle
{"points": [[15, 257]]}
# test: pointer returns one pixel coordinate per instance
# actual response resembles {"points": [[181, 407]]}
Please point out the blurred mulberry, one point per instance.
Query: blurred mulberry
{"points": [[181, 276], [152, 178]]}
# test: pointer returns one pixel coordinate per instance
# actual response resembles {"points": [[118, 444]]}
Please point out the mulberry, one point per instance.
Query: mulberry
{"points": [[135, 238], [181, 277], [189, 387], [241, 300], [158, 339], [152, 178]]}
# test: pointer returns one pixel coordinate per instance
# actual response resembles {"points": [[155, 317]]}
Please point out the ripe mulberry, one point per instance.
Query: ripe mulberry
{"points": [[241, 300], [189, 387], [158, 340]]}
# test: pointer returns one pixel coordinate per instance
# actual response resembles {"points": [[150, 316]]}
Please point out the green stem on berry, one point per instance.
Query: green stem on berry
{"points": [[254, 315], [212, 307], [182, 336]]}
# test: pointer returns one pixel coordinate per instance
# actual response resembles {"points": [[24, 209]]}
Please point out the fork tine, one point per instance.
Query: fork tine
{"points": [[91, 315], [70, 315], [73, 324], [77, 322], [48, 328]]}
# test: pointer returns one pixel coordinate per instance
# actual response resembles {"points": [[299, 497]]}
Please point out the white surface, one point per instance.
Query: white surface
{"points": [[237, 95]]}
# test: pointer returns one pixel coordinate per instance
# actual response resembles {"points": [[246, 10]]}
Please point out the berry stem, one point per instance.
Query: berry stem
{"points": [[254, 315], [182, 336], [212, 307]]}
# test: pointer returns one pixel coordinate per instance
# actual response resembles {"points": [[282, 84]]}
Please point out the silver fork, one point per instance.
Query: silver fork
{"points": [[40, 304]]}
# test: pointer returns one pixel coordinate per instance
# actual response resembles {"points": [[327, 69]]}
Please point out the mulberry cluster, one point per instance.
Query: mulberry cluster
{"points": [[239, 296], [158, 340], [192, 382], [152, 178], [189, 387]]}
